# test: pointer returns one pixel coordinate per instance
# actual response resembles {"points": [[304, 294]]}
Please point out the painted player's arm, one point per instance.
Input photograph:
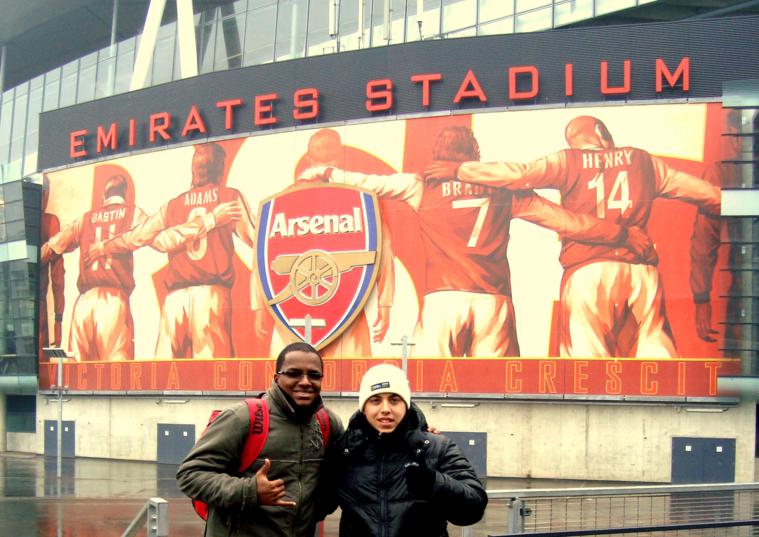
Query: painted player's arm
{"points": [[66, 240], [704, 246], [245, 227], [57, 280], [140, 235], [672, 183], [385, 288], [406, 187], [172, 238], [580, 227], [545, 172]]}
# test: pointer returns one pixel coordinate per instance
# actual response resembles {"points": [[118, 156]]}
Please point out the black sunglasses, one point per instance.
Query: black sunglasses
{"points": [[297, 374]]}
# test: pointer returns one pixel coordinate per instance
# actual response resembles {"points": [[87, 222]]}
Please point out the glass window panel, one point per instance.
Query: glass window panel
{"points": [[319, 40], [87, 73], [220, 53], [349, 33], [207, 45], [495, 9], [430, 20], [526, 5], [124, 65], [24, 345], [18, 270], [572, 11], [503, 26], [533, 21], [25, 327], [15, 231], [239, 7], [19, 126], [378, 36], [259, 34], [13, 191], [228, 43], [163, 55], [458, 14], [291, 29], [23, 308], [398, 21], [609, 6], [466, 32], [52, 89], [32, 123], [14, 210], [106, 72], [382, 33], [6, 121], [68, 83]]}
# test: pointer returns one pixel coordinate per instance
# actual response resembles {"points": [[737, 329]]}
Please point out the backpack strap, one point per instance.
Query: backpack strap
{"points": [[259, 430], [322, 417]]}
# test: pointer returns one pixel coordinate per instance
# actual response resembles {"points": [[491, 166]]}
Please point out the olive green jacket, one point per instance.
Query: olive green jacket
{"points": [[296, 450]]}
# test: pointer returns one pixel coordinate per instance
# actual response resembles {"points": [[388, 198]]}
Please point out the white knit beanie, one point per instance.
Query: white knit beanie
{"points": [[384, 378]]}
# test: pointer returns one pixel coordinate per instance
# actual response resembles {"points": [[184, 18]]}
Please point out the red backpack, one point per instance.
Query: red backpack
{"points": [[259, 430]]}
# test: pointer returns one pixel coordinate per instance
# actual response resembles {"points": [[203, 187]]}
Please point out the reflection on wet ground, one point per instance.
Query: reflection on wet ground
{"points": [[99, 498]]}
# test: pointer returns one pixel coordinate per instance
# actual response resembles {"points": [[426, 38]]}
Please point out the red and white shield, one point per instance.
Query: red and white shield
{"points": [[318, 251]]}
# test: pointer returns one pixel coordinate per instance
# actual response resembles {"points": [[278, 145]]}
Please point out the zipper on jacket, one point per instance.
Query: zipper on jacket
{"points": [[299, 497], [383, 497]]}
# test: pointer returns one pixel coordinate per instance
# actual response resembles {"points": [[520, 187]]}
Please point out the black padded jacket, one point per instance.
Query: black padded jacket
{"points": [[367, 472]]}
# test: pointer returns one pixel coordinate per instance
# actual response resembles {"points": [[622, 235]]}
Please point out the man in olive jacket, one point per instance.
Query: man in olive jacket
{"points": [[276, 495]]}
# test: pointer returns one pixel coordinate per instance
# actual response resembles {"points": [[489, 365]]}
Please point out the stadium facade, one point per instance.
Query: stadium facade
{"points": [[540, 365]]}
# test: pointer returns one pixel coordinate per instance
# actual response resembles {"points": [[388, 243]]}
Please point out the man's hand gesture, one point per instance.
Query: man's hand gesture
{"points": [[441, 170], [227, 212], [704, 322], [270, 492], [96, 251], [317, 174], [641, 245]]}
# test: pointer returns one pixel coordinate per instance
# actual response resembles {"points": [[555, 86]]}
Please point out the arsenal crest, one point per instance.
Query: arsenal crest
{"points": [[318, 252]]}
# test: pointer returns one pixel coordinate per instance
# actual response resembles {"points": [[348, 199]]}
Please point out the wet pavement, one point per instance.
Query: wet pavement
{"points": [[99, 498]]}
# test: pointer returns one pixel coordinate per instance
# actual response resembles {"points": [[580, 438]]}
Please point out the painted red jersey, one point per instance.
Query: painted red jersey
{"points": [[206, 261], [466, 236], [616, 185], [111, 271]]}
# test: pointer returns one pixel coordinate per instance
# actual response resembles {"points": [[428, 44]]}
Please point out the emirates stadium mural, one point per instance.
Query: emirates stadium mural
{"points": [[556, 253]]}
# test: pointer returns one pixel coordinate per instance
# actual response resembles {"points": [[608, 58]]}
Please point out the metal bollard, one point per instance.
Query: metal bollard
{"points": [[158, 517], [516, 514]]}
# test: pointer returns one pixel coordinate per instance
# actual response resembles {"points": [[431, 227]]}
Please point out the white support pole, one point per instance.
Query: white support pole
{"points": [[388, 20], [332, 18], [360, 23], [405, 344], [3, 56], [59, 425], [147, 44], [114, 24], [188, 51]]}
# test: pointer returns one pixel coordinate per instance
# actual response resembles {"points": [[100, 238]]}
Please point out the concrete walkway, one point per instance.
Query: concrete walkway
{"points": [[99, 498]]}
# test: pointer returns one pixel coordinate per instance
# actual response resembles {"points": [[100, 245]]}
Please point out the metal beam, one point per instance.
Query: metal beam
{"points": [[147, 45], [188, 52]]}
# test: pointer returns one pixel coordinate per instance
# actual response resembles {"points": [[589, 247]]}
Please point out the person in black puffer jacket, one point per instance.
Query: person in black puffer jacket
{"points": [[390, 477]]}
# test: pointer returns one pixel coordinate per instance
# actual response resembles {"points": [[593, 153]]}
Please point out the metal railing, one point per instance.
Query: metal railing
{"points": [[586, 511], [157, 519]]}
